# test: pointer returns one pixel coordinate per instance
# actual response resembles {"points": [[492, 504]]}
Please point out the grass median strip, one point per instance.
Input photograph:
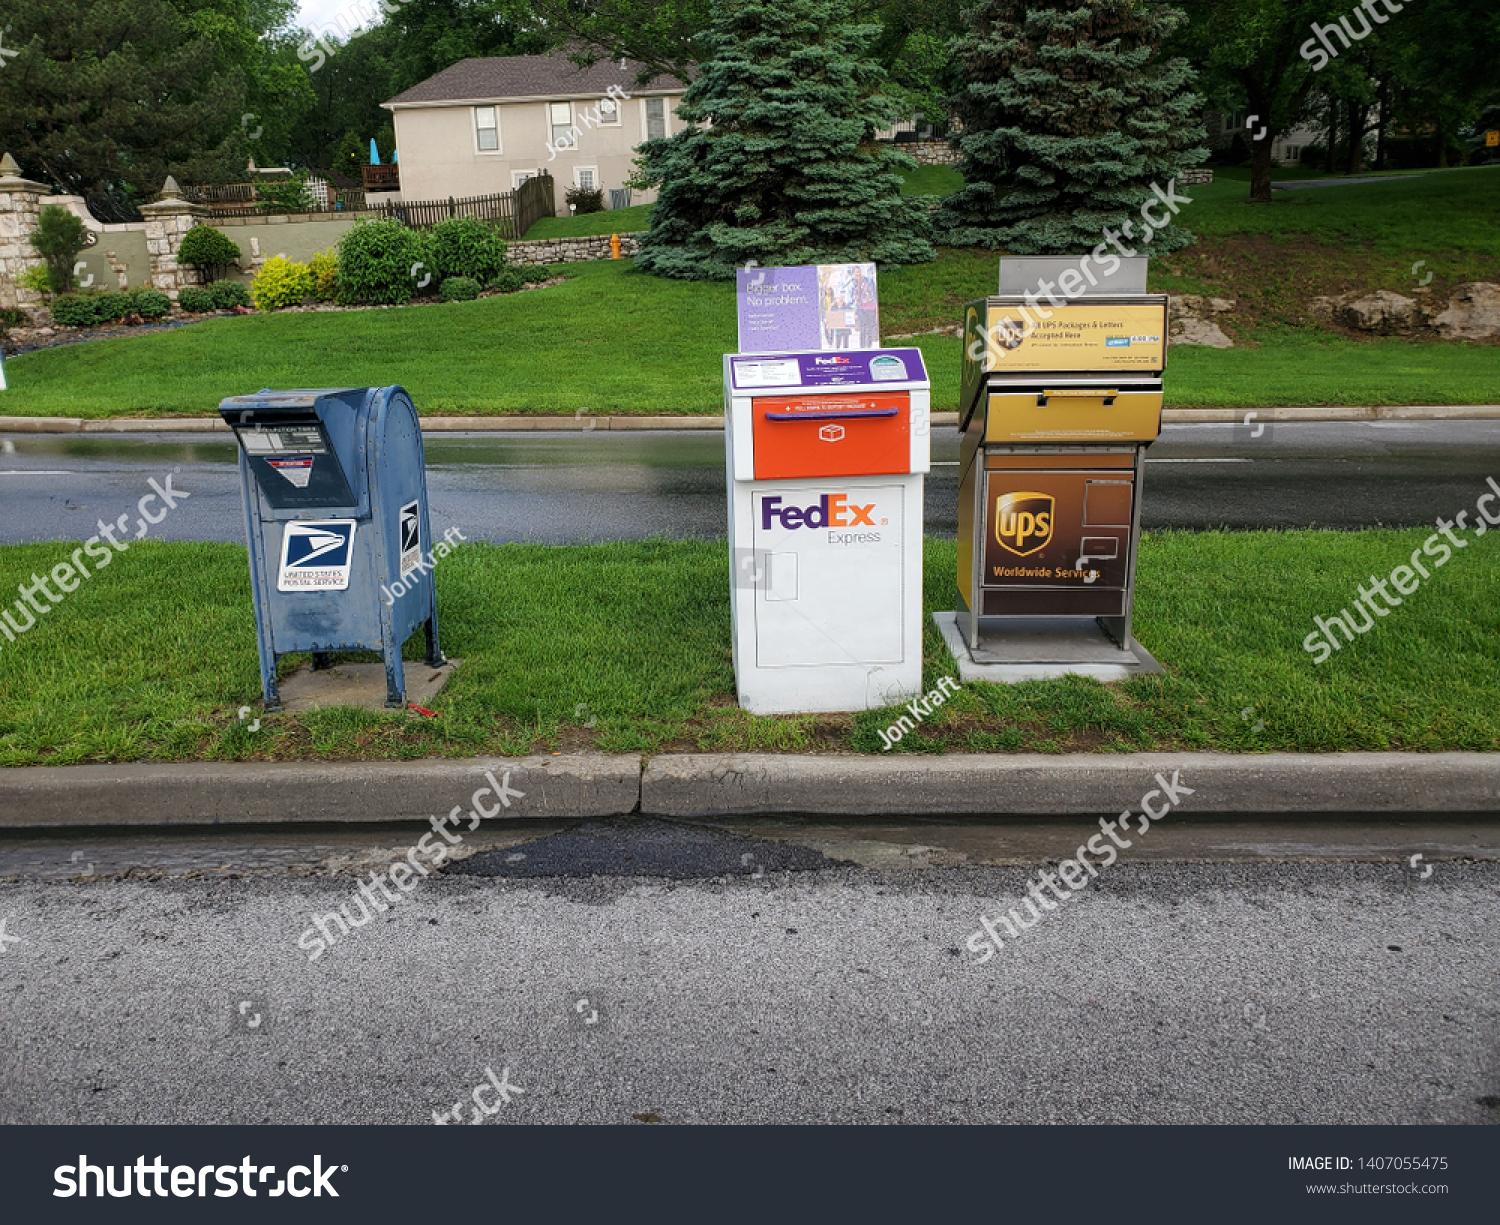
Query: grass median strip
{"points": [[152, 660]]}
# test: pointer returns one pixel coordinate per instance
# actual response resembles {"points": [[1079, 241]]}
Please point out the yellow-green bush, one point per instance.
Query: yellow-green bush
{"points": [[281, 282], [324, 267]]}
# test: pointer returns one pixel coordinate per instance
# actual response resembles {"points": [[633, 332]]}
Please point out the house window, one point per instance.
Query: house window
{"points": [[586, 177], [609, 112], [517, 177], [486, 129], [560, 115], [656, 118]]}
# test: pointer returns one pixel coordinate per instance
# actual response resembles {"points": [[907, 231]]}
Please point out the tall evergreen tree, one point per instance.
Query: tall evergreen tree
{"points": [[778, 163], [1069, 115], [103, 98]]}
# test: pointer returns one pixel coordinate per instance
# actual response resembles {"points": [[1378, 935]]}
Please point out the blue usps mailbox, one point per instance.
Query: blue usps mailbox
{"points": [[335, 515]]}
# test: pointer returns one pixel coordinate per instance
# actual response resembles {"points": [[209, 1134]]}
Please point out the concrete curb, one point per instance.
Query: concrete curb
{"points": [[1035, 784], [1392, 412], [724, 785], [300, 793], [587, 423]]}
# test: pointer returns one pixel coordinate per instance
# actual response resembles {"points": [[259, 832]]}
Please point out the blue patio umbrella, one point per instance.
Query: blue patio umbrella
{"points": [[374, 153], [395, 156]]}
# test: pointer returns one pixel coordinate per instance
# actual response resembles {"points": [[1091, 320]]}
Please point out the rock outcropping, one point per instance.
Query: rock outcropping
{"points": [[1471, 313], [1190, 321]]}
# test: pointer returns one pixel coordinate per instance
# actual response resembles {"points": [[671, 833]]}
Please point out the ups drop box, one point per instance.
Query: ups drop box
{"points": [[1057, 407]]}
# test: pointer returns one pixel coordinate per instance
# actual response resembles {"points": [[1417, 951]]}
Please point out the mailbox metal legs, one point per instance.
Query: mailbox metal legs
{"points": [[395, 669]]}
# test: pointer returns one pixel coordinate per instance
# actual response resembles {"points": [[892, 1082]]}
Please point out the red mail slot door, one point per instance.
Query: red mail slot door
{"points": [[858, 433]]}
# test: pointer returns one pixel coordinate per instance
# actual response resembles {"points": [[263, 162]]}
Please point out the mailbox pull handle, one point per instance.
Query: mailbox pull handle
{"points": [[1108, 396], [845, 414]]}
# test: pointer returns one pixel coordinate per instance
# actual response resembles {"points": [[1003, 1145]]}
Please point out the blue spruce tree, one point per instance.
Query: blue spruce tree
{"points": [[779, 164], [1069, 114]]}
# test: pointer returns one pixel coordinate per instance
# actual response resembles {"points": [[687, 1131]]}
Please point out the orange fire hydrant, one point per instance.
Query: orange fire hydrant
{"points": [[614, 246]]}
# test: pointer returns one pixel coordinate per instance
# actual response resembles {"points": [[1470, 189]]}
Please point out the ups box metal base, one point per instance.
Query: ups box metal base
{"points": [[1014, 649]]}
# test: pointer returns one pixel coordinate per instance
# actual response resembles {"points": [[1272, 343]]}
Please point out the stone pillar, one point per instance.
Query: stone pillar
{"points": [[20, 205], [166, 222]]}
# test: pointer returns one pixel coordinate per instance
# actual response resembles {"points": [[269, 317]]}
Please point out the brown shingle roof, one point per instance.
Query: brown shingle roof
{"points": [[530, 76]]}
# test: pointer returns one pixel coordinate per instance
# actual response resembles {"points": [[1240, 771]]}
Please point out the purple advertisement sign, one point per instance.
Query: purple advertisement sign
{"points": [[827, 306], [778, 309], [855, 368]]}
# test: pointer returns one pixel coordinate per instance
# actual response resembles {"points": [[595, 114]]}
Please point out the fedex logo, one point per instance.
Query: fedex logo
{"points": [[831, 510], [830, 361]]}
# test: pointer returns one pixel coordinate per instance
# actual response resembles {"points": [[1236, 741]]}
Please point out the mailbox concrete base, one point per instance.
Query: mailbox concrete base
{"points": [[361, 685], [1040, 648]]}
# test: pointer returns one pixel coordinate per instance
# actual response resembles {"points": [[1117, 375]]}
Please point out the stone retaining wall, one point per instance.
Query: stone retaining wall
{"points": [[570, 250], [930, 152]]}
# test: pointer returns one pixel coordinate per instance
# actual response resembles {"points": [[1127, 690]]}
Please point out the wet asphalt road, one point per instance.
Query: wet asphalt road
{"points": [[770, 972], [595, 486]]}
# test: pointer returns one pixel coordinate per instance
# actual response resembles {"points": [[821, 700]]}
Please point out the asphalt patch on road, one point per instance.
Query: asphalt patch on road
{"points": [[635, 847]]}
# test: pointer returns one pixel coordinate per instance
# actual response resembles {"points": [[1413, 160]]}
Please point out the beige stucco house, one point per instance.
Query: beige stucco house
{"points": [[484, 126]]}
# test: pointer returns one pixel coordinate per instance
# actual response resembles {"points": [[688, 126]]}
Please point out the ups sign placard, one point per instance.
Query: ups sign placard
{"points": [[1023, 522], [1057, 529]]}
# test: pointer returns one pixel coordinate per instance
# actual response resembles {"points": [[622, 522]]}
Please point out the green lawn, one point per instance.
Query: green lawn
{"points": [[931, 181], [1454, 210], [151, 659], [610, 221], [617, 341]]}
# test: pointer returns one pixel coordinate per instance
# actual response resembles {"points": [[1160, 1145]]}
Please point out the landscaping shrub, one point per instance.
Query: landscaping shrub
{"points": [[324, 267], [226, 295], [375, 261], [459, 289], [585, 199], [195, 299], [508, 281], [75, 310], [209, 251], [279, 283], [533, 273], [38, 279], [10, 317], [58, 238], [284, 195], [111, 305], [149, 303], [467, 247]]}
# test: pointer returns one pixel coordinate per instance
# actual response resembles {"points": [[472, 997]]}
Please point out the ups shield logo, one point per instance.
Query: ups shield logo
{"points": [[1023, 522]]}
